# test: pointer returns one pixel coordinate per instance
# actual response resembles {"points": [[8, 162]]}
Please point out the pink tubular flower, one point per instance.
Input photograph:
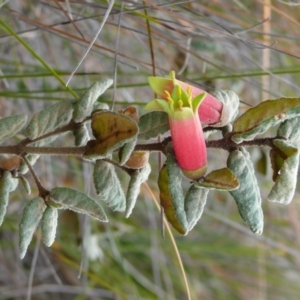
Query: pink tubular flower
{"points": [[211, 111], [186, 131]]}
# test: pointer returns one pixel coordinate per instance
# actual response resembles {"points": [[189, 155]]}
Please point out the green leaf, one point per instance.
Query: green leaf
{"points": [[286, 180], [194, 203], [84, 107], [137, 178], [32, 214], [260, 118], [81, 135], [126, 150], [6, 182], [25, 184], [112, 131], [10, 126], [78, 202], [49, 225], [14, 182], [100, 106], [108, 186], [50, 119], [290, 129], [171, 195], [279, 155], [230, 109], [247, 196], [222, 179], [276, 163], [152, 124]]}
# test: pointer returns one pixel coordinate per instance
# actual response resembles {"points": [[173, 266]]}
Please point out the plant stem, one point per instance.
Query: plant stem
{"points": [[17, 150], [225, 143]]}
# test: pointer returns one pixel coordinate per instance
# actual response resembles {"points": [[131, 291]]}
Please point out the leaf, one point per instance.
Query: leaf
{"points": [[108, 187], [231, 104], [222, 179], [25, 184], [247, 196], [6, 182], [285, 185], [32, 214], [152, 124], [290, 129], [81, 135], [49, 225], [111, 131], [126, 150], [260, 118], [78, 202], [194, 203], [84, 107], [10, 126], [100, 106], [137, 178], [50, 119], [279, 155], [14, 182], [171, 195]]}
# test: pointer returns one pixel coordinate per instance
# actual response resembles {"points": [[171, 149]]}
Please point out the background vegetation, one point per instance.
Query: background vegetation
{"points": [[250, 47]]}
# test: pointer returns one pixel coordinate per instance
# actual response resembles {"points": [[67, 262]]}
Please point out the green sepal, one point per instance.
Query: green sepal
{"points": [[197, 102], [179, 94], [49, 225], [194, 203], [32, 215], [247, 196], [286, 180], [137, 178], [153, 124], [222, 179], [260, 118], [165, 106], [108, 186], [78, 202], [159, 85], [154, 105]]}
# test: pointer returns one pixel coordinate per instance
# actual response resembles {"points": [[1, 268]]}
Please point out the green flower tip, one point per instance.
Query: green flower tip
{"points": [[195, 174]]}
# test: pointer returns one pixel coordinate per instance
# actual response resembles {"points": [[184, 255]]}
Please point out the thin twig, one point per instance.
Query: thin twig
{"points": [[42, 191]]}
